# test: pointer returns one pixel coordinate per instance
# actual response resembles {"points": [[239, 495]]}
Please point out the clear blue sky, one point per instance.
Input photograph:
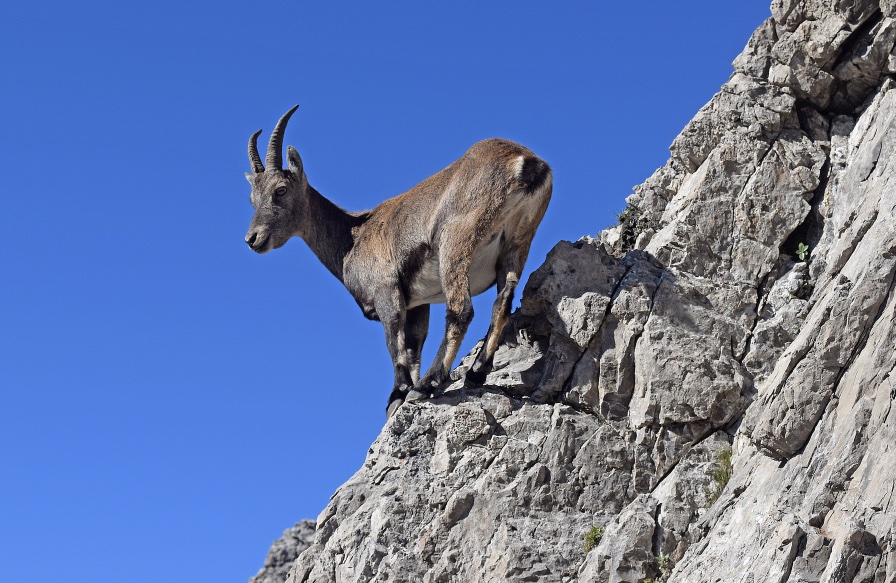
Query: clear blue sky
{"points": [[172, 401]]}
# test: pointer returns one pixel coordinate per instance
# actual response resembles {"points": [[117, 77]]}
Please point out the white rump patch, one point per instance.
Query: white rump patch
{"points": [[518, 167]]}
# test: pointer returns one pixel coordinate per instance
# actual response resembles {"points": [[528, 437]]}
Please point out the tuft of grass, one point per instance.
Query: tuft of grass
{"points": [[632, 223], [629, 214], [664, 564], [721, 475], [592, 537], [724, 470]]}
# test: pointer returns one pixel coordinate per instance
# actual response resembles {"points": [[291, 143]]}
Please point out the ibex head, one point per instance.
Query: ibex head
{"points": [[277, 193]]}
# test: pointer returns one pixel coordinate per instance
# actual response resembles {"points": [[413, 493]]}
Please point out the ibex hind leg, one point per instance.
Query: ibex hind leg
{"points": [[437, 377], [482, 365], [509, 267], [458, 314]]}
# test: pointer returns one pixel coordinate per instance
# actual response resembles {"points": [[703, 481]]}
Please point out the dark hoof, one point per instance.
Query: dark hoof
{"points": [[429, 387], [393, 407], [426, 385], [396, 398], [415, 395]]}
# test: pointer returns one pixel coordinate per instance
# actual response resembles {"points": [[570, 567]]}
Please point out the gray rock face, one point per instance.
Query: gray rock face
{"points": [[743, 310], [284, 551]]}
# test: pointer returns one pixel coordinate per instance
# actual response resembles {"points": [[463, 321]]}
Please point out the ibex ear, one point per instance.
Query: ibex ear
{"points": [[294, 161], [249, 176]]}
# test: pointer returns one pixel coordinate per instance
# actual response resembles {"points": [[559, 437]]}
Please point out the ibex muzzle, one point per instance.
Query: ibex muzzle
{"points": [[454, 235]]}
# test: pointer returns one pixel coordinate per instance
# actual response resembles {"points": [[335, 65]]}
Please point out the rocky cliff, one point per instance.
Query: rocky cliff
{"points": [[701, 394]]}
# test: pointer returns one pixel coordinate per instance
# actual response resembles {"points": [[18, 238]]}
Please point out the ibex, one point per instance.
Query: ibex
{"points": [[452, 236]]}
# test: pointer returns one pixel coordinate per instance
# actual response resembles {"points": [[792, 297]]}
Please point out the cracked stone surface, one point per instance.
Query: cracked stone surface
{"points": [[746, 305], [284, 551]]}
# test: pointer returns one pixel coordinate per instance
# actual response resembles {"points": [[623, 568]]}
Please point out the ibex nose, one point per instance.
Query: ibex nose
{"points": [[258, 240]]}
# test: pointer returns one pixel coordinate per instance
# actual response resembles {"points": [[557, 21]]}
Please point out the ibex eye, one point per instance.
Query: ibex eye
{"points": [[281, 191]]}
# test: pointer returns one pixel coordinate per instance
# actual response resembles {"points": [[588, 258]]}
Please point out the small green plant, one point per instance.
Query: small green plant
{"points": [[721, 476], [664, 564], [632, 223], [629, 213], [725, 469], [593, 536], [802, 251]]}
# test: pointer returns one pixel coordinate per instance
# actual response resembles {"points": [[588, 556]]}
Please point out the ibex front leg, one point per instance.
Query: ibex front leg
{"points": [[507, 283], [416, 327], [390, 307]]}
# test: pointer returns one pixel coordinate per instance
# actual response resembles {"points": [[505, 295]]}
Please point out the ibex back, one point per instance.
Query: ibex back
{"points": [[452, 236]]}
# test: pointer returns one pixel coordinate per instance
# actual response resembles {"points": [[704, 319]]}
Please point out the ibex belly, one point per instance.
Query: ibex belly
{"points": [[427, 285]]}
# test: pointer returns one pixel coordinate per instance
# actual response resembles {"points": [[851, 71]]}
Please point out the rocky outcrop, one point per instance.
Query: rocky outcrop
{"points": [[743, 310], [284, 551]]}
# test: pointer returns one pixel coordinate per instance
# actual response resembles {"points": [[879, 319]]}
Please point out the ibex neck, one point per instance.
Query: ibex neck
{"points": [[328, 232]]}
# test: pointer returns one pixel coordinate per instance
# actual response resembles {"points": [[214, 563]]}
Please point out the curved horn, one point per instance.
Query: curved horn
{"points": [[254, 158], [275, 147]]}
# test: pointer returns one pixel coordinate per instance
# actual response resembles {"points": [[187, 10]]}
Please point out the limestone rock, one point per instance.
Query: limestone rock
{"points": [[284, 551], [743, 309]]}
